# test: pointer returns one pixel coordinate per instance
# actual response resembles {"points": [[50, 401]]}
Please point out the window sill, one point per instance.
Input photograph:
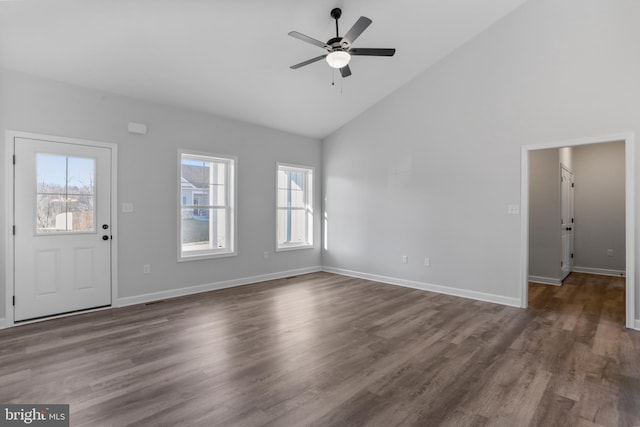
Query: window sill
{"points": [[293, 247], [206, 256]]}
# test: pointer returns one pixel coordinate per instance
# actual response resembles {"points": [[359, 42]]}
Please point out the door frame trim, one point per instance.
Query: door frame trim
{"points": [[630, 202], [565, 168], [10, 137]]}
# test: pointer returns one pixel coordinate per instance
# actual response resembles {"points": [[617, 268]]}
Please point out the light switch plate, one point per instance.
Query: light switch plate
{"points": [[127, 207], [513, 209]]}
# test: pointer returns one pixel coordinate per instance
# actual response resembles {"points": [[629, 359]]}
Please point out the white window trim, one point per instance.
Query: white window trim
{"points": [[309, 203], [232, 201]]}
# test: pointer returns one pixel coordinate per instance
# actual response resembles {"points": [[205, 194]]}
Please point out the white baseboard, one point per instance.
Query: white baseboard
{"points": [[601, 271], [2, 323], [464, 293], [173, 293], [546, 280], [636, 325]]}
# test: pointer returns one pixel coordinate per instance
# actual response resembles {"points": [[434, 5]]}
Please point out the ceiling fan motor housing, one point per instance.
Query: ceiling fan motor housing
{"points": [[338, 43]]}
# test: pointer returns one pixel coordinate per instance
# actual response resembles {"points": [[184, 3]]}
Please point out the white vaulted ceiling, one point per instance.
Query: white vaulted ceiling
{"points": [[232, 57]]}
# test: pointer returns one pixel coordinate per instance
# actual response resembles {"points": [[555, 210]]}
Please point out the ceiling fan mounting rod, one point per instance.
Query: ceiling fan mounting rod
{"points": [[336, 14]]}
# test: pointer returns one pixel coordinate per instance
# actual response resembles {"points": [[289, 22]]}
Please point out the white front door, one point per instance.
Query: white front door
{"points": [[567, 221], [62, 228]]}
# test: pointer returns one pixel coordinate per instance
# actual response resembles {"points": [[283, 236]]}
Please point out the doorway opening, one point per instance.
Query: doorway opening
{"points": [[551, 263]]}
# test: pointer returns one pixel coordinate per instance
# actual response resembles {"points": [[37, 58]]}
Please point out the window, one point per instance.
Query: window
{"points": [[206, 221], [65, 194], [295, 207]]}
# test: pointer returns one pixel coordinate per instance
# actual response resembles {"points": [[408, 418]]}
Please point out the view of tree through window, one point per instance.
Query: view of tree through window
{"points": [[65, 197]]}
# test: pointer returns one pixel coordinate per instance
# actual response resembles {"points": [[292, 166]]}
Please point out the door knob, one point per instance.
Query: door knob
{"points": [[105, 226], [568, 228], [105, 237]]}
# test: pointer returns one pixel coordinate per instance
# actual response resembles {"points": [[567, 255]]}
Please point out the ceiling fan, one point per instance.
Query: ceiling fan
{"points": [[339, 48]]}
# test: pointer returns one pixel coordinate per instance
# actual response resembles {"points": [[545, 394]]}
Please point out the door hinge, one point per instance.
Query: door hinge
{"points": [[14, 300], [572, 220], [14, 159], [561, 264], [571, 255], [573, 184], [14, 230]]}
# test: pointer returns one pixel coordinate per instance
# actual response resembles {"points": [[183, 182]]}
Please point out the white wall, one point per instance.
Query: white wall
{"points": [[599, 199], [148, 178], [545, 243], [430, 170]]}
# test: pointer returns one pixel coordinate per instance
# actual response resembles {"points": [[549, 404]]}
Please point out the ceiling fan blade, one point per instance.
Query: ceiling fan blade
{"points": [[361, 24], [308, 61], [372, 52], [345, 71], [308, 39]]}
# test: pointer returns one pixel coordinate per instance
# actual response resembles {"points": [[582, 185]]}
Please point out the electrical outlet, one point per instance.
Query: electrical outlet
{"points": [[127, 207], [427, 262], [609, 252], [146, 269], [405, 259]]}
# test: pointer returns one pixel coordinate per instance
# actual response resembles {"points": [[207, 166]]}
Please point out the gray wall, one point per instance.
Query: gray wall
{"points": [[430, 170], [545, 243], [599, 200], [148, 177]]}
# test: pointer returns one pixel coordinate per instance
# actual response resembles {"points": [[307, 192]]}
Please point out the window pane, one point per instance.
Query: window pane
{"points": [[291, 198], [297, 199], [56, 213], [195, 173], [80, 175], [65, 193], [203, 183], [219, 173], [291, 226], [283, 198], [218, 195], [203, 229], [283, 178], [51, 173], [80, 208], [297, 180], [50, 215], [200, 198]]}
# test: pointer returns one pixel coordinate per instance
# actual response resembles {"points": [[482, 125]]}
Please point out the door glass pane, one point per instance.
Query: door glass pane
{"points": [[51, 171], [65, 194], [80, 175], [50, 213]]}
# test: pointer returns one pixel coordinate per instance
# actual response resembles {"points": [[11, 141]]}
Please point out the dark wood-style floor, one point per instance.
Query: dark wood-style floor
{"points": [[328, 350]]}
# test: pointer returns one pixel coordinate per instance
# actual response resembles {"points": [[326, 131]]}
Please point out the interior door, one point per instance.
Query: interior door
{"points": [[62, 228], [567, 221]]}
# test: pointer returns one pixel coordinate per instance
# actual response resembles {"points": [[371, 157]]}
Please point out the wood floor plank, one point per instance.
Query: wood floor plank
{"points": [[329, 350]]}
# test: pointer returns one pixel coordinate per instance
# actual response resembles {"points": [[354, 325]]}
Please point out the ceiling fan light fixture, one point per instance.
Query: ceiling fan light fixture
{"points": [[338, 59]]}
